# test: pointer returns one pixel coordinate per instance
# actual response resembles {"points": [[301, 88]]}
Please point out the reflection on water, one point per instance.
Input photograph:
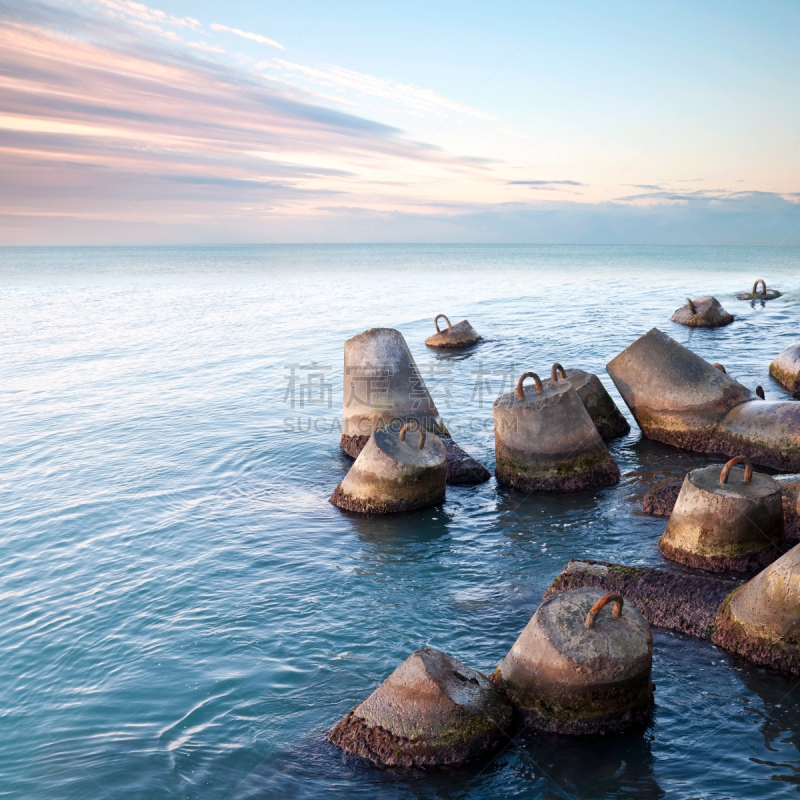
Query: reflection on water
{"points": [[185, 613]]}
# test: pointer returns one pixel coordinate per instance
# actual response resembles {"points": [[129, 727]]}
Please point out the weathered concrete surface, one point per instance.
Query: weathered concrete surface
{"points": [[705, 312], [759, 292], [660, 501], [790, 492], [462, 468], [668, 599], [566, 678], [382, 383], [607, 418], [431, 711], [675, 396], [786, 369], [383, 386], [453, 337], [678, 398], [761, 620], [394, 474], [735, 526], [766, 431], [547, 442]]}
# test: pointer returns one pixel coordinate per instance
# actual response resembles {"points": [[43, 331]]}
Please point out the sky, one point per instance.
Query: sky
{"points": [[346, 121]]}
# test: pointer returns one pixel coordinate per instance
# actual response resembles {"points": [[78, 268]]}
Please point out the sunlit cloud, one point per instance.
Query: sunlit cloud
{"points": [[344, 80], [144, 13], [206, 48], [108, 126], [120, 122], [254, 37], [546, 183]]}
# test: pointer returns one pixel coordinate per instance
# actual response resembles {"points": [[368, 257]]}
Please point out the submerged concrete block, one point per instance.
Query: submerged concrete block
{"points": [[431, 711], [382, 386], [724, 521], [395, 472], [786, 369], [706, 312], [675, 396], [579, 669], [758, 620], [545, 441], [790, 493], [454, 337], [761, 620], [660, 501], [677, 601], [766, 431], [678, 398], [607, 418], [762, 294]]}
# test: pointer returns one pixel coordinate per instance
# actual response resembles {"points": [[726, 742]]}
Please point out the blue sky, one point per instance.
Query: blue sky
{"points": [[173, 122]]}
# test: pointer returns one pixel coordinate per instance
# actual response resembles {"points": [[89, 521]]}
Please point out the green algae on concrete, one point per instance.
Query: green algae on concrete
{"points": [[725, 520], [761, 619], [679, 601], [759, 294], [433, 710], [564, 675], [786, 369], [545, 441], [396, 471]]}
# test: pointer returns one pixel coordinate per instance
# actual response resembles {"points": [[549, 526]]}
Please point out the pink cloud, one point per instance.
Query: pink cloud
{"points": [[114, 124]]}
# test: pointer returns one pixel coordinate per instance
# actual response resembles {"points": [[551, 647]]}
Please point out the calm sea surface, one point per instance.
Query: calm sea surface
{"points": [[184, 614]]}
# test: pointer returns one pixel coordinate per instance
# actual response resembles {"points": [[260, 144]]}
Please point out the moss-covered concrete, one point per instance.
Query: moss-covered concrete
{"points": [[766, 651], [668, 599], [790, 380], [594, 470]]}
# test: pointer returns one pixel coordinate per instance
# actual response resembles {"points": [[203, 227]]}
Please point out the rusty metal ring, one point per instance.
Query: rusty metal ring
{"points": [[755, 286], [591, 617], [536, 380], [691, 305], [748, 469], [555, 370], [436, 322], [421, 430], [719, 367]]}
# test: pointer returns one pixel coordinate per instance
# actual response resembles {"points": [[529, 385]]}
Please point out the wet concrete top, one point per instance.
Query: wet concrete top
{"points": [[761, 487], [426, 695], [626, 638], [407, 451], [550, 392]]}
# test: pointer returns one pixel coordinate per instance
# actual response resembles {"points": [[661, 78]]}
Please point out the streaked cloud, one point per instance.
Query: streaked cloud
{"points": [[545, 183], [254, 37], [205, 47], [347, 80], [119, 127], [144, 13], [120, 122]]}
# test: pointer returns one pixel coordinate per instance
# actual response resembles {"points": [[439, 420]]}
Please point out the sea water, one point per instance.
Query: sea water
{"points": [[183, 612]]}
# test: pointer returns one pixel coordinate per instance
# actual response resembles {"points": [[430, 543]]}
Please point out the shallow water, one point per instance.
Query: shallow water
{"points": [[184, 614]]}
